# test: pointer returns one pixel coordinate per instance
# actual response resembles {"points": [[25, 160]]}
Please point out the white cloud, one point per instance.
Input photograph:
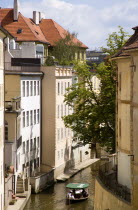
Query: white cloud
{"points": [[92, 24]]}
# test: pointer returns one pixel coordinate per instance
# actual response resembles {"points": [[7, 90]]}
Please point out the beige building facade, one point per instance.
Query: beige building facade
{"points": [[58, 150], [2, 35], [126, 126]]}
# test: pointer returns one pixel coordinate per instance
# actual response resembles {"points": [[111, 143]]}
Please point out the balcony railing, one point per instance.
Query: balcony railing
{"points": [[108, 177], [13, 105], [23, 65]]}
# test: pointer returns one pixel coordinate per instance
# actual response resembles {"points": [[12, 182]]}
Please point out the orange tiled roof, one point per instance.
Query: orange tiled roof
{"points": [[53, 32], [30, 31], [48, 31]]}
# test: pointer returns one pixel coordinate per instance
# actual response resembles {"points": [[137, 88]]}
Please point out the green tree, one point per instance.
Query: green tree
{"points": [[65, 49], [93, 119]]}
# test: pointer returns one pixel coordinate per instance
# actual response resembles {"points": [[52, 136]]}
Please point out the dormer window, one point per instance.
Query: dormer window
{"points": [[19, 31], [36, 32]]}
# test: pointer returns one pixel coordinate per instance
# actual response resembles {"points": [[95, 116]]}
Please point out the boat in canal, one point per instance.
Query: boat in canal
{"points": [[77, 191]]}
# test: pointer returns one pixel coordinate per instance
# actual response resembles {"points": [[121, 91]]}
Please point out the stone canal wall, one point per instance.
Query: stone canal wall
{"points": [[106, 200], [42, 181]]}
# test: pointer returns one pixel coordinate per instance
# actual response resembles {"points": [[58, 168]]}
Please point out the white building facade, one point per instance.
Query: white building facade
{"points": [[28, 156]]}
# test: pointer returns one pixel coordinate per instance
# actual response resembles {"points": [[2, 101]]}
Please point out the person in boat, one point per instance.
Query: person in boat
{"points": [[84, 193], [70, 194]]}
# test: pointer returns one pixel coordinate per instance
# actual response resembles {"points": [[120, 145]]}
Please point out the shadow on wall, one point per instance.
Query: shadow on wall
{"points": [[68, 158]]}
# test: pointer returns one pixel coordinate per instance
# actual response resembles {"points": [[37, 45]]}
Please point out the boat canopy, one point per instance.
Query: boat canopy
{"points": [[77, 185]]}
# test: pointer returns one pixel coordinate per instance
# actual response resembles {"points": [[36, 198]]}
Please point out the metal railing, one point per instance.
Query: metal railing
{"points": [[108, 177], [27, 68]]}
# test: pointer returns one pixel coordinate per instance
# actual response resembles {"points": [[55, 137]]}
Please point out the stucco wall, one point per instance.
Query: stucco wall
{"points": [[48, 117], [124, 169], [1, 124], [12, 87], [105, 200]]}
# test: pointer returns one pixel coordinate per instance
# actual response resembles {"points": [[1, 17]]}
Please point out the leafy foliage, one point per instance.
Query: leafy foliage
{"points": [[65, 49], [93, 119]]}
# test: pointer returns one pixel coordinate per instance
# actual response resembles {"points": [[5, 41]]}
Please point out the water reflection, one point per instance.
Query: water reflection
{"points": [[54, 198]]}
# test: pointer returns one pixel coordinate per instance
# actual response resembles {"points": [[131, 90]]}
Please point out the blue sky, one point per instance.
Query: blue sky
{"points": [[93, 20]]}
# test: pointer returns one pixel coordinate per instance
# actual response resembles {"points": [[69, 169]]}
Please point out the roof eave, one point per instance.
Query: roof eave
{"points": [[6, 32]]}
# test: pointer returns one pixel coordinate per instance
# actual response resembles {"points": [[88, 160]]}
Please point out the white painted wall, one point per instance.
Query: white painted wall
{"points": [[29, 103], [124, 169]]}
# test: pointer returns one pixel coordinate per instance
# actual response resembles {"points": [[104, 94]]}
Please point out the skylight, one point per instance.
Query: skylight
{"points": [[19, 31]]}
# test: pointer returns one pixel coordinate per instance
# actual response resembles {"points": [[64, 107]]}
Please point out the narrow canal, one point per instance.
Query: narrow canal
{"points": [[54, 198]]}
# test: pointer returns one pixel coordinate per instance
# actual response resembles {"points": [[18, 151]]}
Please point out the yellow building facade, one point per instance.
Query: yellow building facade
{"points": [[126, 128], [2, 35]]}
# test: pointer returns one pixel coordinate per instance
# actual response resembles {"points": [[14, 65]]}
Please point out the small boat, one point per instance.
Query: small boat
{"points": [[77, 191]]}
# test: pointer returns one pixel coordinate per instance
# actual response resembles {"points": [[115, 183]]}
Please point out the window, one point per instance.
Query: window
{"points": [[31, 117], [6, 130], [23, 119], [61, 110], [23, 147], [57, 111], [27, 88], [27, 146], [34, 143], [68, 84], [82, 55], [120, 81], [38, 116], [37, 162], [62, 153], [65, 109], [1, 96], [31, 88], [34, 163], [38, 88], [34, 116], [31, 144], [58, 155], [34, 88], [65, 87], [58, 134], [68, 131], [78, 55], [61, 133], [38, 142], [62, 88], [23, 90], [120, 128], [65, 132], [27, 118], [58, 88]]}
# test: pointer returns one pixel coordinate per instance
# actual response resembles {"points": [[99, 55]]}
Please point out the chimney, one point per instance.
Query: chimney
{"points": [[16, 10], [41, 16], [36, 17]]}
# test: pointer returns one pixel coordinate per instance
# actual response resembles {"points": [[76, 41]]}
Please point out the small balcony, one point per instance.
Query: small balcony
{"points": [[108, 177], [23, 65], [13, 106]]}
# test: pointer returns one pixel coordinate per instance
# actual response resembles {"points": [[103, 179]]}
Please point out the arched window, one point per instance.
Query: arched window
{"points": [[6, 130]]}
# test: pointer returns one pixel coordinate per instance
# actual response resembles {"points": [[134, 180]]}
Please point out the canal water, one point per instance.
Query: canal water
{"points": [[54, 198]]}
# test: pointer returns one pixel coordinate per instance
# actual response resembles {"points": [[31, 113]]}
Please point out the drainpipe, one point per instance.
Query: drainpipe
{"points": [[4, 115], [41, 119]]}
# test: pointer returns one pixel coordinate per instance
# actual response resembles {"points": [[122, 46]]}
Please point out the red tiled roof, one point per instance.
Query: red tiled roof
{"points": [[30, 31], [48, 31], [53, 32]]}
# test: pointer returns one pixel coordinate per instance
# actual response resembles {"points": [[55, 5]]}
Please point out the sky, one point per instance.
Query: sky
{"points": [[92, 20]]}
